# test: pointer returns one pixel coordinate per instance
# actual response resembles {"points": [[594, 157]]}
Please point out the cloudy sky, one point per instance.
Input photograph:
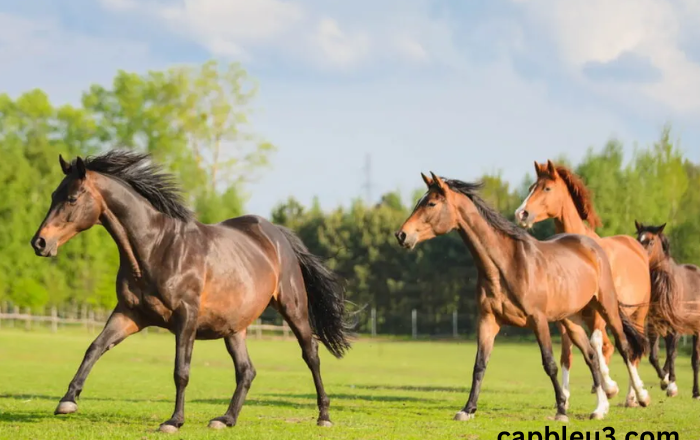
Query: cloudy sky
{"points": [[456, 87]]}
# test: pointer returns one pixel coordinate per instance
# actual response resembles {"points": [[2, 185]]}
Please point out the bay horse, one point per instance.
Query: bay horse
{"points": [[675, 305], [560, 194], [198, 281], [526, 283]]}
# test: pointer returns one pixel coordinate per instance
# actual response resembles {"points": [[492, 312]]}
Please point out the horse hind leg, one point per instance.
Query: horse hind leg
{"points": [[565, 362], [596, 324], [695, 361], [245, 373], [292, 303], [608, 308], [580, 339], [672, 340], [541, 328]]}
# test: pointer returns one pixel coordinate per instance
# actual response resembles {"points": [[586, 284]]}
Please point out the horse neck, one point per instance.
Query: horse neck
{"points": [[569, 220], [492, 250], [128, 218]]}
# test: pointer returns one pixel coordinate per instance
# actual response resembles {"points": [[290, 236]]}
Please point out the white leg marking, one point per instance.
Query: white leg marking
{"points": [[665, 381], [672, 389], [609, 385], [603, 405], [631, 400], [642, 394]]}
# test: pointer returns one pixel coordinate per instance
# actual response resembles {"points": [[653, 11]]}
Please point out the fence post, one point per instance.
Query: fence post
{"points": [[28, 319], [414, 323], [91, 320], [11, 321], [285, 329], [374, 322], [455, 332], [54, 319], [258, 330]]}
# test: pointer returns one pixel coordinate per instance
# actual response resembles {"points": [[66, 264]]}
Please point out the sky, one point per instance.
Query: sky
{"points": [[459, 88]]}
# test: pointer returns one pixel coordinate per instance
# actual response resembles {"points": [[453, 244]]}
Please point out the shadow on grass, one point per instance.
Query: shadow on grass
{"points": [[423, 389]]}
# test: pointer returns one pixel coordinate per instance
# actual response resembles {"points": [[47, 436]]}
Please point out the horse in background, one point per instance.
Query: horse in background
{"points": [[527, 283], [561, 195], [198, 281], [675, 305]]}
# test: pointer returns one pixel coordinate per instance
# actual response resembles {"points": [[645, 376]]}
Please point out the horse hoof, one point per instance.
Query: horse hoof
{"points": [[597, 416], [168, 429], [672, 390], [66, 408], [216, 424], [561, 418], [631, 403], [664, 382], [463, 416], [696, 397], [324, 423], [645, 400]]}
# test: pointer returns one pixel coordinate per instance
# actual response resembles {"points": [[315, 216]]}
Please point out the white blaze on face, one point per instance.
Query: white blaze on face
{"points": [[524, 204]]}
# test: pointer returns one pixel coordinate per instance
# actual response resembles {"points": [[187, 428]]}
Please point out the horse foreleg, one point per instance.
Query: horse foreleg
{"points": [[672, 340], [119, 326], [579, 337], [654, 359], [186, 330], [487, 331], [565, 362]]}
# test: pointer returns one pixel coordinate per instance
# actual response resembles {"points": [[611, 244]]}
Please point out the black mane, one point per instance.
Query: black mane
{"points": [[146, 178], [492, 217]]}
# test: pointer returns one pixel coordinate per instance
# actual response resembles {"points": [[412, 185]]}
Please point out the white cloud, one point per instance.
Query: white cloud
{"points": [[39, 53], [602, 30], [338, 47]]}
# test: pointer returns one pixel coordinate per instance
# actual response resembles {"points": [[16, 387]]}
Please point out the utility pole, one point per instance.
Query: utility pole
{"points": [[368, 184]]}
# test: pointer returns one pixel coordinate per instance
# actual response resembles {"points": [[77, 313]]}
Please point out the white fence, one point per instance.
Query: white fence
{"points": [[93, 321]]}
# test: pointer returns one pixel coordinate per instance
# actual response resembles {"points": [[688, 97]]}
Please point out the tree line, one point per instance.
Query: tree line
{"points": [[196, 122]]}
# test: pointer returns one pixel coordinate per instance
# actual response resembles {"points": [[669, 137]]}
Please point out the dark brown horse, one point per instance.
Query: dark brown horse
{"points": [[561, 195], [198, 281], [675, 307], [526, 283]]}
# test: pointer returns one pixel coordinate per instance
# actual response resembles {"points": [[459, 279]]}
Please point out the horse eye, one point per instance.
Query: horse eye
{"points": [[431, 204], [547, 188], [72, 199]]}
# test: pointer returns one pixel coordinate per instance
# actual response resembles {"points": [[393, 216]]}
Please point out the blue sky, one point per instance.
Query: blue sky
{"points": [[456, 87]]}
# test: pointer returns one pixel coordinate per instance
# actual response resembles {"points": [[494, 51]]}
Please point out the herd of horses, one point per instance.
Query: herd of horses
{"points": [[212, 281]]}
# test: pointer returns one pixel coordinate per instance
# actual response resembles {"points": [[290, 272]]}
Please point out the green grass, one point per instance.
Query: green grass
{"points": [[403, 390]]}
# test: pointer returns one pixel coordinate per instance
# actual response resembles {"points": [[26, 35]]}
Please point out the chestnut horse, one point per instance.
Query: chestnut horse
{"points": [[559, 194], [526, 283], [198, 281], [675, 305]]}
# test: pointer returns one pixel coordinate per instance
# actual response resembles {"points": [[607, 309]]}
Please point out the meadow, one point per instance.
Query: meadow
{"points": [[382, 389]]}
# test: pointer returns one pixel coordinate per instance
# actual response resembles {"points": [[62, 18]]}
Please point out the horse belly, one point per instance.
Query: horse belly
{"points": [[571, 295], [231, 307]]}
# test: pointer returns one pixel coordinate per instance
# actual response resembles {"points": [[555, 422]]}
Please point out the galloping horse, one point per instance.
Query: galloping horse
{"points": [[675, 305], [559, 194], [198, 281], [526, 283]]}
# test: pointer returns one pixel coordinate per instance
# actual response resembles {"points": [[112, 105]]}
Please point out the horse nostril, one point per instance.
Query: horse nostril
{"points": [[40, 243], [401, 236], [524, 215]]}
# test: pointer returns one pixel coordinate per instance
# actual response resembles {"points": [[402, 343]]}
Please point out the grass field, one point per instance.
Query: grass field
{"points": [[406, 390]]}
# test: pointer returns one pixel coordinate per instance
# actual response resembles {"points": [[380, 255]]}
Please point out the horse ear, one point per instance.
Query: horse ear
{"points": [[428, 181], [551, 169], [661, 228], [437, 181], [65, 166], [638, 225], [80, 167], [538, 170]]}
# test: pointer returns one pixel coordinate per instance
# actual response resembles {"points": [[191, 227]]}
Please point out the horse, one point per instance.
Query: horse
{"points": [[526, 283], [675, 305], [199, 281], [561, 195]]}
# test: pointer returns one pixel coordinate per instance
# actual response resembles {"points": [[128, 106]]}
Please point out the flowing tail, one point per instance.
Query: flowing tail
{"points": [[326, 298], [639, 344]]}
